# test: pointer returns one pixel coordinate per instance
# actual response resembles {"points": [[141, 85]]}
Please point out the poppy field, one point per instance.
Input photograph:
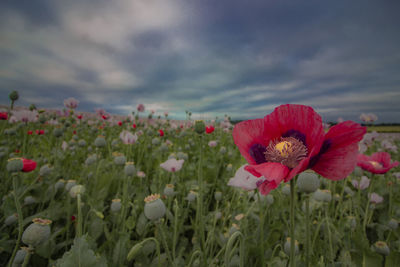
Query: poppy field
{"points": [[94, 189]]}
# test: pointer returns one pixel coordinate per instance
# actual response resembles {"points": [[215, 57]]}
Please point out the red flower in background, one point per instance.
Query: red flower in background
{"points": [[379, 162], [79, 117], [39, 132], [29, 165], [161, 132], [74, 132], [210, 129], [120, 123], [30, 132], [134, 126], [3, 115], [290, 140]]}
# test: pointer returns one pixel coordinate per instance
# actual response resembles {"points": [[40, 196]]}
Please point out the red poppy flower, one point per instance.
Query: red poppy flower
{"points": [[161, 132], [210, 129], [30, 132], [290, 140], [378, 162], [79, 117], [29, 165], [73, 218], [74, 132], [3, 115], [120, 123], [104, 117], [39, 132]]}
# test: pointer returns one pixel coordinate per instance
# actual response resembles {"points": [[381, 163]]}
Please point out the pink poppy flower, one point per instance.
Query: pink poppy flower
{"points": [[64, 145], [172, 165], [141, 174], [379, 162], [290, 140], [375, 198], [127, 137], [244, 179], [212, 143], [71, 103], [24, 116], [140, 108]]}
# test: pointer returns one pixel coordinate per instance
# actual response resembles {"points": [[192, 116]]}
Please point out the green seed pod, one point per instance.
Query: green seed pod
{"points": [[120, 160], [15, 165], [11, 219], [322, 195], [45, 170], [100, 141], [393, 224], [59, 184], [81, 143], [37, 232], [90, 160], [115, 205], [156, 141], [75, 190], [169, 190], [199, 127], [382, 248], [307, 182], [358, 171], [286, 189], [286, 247], [218, 195], [191, 196], [129, 169], [13, 96], [29, 200], [269, 199], [222, 150], [154, 208], [42, 119], [70, 184], [58, 132], [20, 256]]}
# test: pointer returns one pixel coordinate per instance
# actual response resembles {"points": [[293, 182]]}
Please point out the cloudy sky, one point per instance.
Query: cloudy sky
{"points": [[240, 58]]}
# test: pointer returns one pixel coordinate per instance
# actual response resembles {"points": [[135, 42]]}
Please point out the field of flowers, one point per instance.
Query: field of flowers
{"points": [[83, 189]]}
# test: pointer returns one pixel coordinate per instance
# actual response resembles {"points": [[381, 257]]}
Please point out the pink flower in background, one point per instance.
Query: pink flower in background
{"points": [[244, 179], [212, 143], [24, 116], [140, 108], [397, 175], [378, 163], [375, 198], [141, 174], [340, 120], [100, 112], [127, 137], [71, 103], [166, 114], [363, 184], [172, 165], [64, 145]]}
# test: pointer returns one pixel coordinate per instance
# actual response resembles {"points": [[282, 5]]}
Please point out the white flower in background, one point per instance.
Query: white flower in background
{"points": [[363, 184], [71, 103], [127, 137], [212, 143], [172, 165], [244, 179], [64, 145]]}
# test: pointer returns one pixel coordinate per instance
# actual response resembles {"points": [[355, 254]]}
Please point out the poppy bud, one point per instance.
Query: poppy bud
{"points": [[13, 96], [154, 208], [11, 219], [37, 232]]}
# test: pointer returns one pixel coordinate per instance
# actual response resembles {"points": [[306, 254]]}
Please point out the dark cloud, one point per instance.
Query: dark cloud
{"points": [[210, 57]]}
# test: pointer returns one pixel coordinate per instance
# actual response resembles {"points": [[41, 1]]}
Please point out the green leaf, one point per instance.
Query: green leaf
{"points": [[80, 255]]}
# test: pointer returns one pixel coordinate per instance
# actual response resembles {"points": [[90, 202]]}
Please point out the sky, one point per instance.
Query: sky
{"points": [[241, 58]]}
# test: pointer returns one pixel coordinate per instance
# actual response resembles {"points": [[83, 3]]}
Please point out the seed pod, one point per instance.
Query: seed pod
{"points": [[29, 200], [115, 205], [37, 232], [286, 247], [308, 182], [169, 190], [218, 195], [59, 184], [191, 196], [58, 132], [100, 141], [199, 127], [286, 189], [13, 96], [20, 256], [382, 248], [15, 165], [81, 143], [75, 190], [45, 170], [11, 219], [393, 224], [70, 184], [154, 208], [120, 160], [129, 169]]}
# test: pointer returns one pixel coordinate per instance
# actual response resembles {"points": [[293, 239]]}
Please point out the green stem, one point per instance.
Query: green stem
{"points": [[165, 244], [26, 259], [20, 218], [292, 239], [193, 257], [79, 231], [329, 234], [308, 230], [175, 236]]}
